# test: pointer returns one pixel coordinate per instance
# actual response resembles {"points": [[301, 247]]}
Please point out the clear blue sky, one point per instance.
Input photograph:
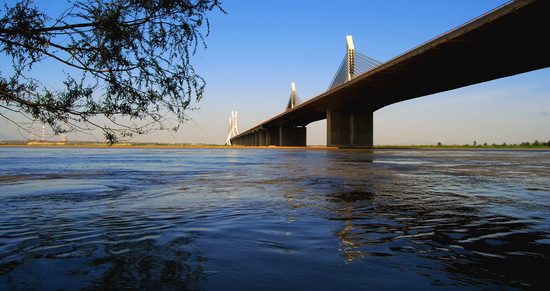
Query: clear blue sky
{"points": [[260, 47]]}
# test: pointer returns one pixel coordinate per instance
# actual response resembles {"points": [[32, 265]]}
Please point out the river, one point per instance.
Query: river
{"points": [[273, 219]]}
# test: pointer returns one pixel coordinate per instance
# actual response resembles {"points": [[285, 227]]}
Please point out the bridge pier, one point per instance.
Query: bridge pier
{"points": [[281, 136], [262, 139], [292, 136], [354, 130]]}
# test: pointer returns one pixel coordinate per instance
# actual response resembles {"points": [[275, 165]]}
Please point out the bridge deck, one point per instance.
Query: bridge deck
{"points": [[508, 41]]}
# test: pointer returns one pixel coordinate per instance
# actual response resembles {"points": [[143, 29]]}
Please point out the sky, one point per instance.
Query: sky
{"points": [[256, 50]]}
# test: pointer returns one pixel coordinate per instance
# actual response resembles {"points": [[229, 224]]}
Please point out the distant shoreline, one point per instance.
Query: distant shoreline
{"points": [[381, 147], [158, 146]]}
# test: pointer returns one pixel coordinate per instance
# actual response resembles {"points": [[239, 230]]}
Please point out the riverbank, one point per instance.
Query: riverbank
{"points": [[100, 144], [189, 145]]}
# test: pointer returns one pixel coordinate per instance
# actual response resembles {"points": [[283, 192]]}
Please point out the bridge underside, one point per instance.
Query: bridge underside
{"points": [[509, 41], [276, 136], [344, 129]]}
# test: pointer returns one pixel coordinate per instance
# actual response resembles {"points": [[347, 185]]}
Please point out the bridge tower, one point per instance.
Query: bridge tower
{"points": [[294, 100], [351, 127], [233, 128], [350, 57], [353, 65]]}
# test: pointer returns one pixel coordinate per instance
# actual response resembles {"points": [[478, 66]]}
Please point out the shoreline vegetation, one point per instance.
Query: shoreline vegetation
{"points": [[524, 145]]}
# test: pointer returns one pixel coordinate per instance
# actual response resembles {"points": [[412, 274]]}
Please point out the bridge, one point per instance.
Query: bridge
{"points": [[508, 40]]}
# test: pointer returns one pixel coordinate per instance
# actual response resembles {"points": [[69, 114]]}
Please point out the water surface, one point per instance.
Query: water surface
{"points": [[272, 219]]}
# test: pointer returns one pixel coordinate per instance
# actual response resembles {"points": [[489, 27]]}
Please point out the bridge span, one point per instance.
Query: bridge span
{"points": [[509, 40]]}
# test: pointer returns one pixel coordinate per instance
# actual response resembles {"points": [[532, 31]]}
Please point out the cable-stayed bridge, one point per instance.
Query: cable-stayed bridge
{"points": [[511, 39]]}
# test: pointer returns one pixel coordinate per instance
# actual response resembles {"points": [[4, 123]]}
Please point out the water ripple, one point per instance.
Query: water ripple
{"points": [[273, 219]]}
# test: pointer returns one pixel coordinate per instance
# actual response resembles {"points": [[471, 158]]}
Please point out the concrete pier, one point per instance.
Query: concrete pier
{"points": [[281, 136], [349, 129], [293, 136]]}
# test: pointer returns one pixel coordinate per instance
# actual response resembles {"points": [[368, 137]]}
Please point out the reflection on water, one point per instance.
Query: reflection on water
{"points": [[96, 218]]}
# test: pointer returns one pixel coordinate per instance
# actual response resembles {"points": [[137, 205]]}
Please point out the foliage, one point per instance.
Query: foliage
{"points": [[122, 59]]}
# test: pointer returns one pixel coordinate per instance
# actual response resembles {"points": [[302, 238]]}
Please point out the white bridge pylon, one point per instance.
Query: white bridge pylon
{"points": [[233, 127], [350, 57], [294, 100]]}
